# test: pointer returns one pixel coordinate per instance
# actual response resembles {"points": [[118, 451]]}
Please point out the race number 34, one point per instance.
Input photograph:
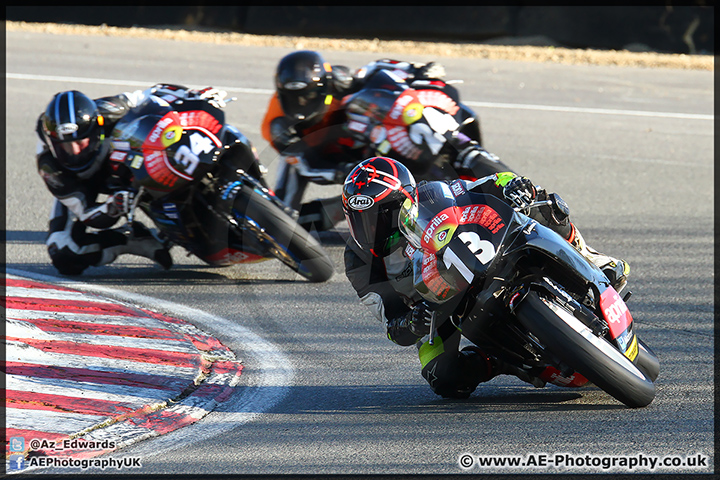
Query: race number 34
{"points": [[187, 157]]}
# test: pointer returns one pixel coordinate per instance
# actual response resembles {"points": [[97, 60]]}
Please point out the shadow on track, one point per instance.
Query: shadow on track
{"points": [[120, 274], [419, 400]]}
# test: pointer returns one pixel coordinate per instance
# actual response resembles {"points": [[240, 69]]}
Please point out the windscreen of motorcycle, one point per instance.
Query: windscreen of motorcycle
{"points": [[132, 131], [429, 223], [373, 104]]}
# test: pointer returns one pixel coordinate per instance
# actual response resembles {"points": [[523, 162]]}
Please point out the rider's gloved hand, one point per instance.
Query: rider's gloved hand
{"points": [[420, 319], [212, 95], [468, 155], [520, 192], [168, 91], [283, 133], [120, 203], [430, 70]]}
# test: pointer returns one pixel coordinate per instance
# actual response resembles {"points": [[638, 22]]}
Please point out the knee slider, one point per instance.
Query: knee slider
{"points": [[65, 261]]}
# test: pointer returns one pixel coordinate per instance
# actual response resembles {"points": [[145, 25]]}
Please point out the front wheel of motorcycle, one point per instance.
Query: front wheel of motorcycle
{"points": [[647, 361], [282, 237], [576, 345]]}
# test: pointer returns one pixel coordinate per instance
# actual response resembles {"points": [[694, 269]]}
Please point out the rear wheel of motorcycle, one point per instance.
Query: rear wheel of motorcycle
{"points": [[286, 239], [593, 357], [647, 361]]}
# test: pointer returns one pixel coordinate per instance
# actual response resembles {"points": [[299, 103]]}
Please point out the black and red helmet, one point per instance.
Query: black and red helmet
{"points": [[303, 83], [373, 195], [72, 128]]}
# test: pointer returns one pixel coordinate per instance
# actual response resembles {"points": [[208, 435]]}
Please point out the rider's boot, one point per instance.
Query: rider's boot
{"points": [[142, 243], [322, 214], [494, 366], [503, 368], [615, 269]]}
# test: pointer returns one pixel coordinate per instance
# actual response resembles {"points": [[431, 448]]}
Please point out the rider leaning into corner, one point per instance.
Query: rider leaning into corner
{"points": [[381, 273], [73, 158], [305, 123]]}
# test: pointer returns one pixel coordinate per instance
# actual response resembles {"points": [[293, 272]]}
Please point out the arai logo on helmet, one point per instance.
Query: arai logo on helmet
{"points": [[66, 128], [360, 202], [295, 85]]}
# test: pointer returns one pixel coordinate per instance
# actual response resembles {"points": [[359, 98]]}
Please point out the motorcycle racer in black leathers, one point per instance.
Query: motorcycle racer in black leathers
{"points": [[382, 274], [306, 123], [74, 159]]}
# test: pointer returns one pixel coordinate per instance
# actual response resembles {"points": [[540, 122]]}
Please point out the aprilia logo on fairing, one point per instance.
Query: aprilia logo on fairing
{"points": [[436, 222], [159, 128], [615, 311]]}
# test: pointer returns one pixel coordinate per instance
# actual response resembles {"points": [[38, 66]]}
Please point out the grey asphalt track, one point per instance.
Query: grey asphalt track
{"points": [[629, 149]]}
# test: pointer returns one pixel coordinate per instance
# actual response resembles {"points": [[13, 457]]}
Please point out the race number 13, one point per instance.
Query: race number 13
{"points": [[483, 250]]}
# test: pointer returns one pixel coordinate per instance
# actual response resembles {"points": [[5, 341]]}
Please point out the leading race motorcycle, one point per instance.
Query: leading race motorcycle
{"points": [[423, 125], [520, 291], [200, 182]]}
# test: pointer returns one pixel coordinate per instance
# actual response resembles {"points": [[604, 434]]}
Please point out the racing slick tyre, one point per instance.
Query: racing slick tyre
{"points": [[647, 361], [576, 345], [282, 236]]}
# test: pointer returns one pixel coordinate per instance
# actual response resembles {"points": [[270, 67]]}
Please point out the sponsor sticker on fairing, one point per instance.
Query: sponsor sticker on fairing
{"points": [[458, 188], [378, 134], [118, 156], [137, 161], [434, 98], [615, 312], [356, 126], [434, 223]]}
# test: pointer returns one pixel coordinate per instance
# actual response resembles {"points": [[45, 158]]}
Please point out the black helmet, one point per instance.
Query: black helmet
{"points": [[72, 130], [373, 194], [303, 85]]}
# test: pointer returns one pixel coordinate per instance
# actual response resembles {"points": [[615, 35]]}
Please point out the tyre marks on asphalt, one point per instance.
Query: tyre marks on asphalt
{"points": [[81, 366]]}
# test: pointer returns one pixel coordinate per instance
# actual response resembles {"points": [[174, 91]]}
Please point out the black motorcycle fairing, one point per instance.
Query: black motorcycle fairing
{"points": [[390, 118], [218, 115], [535, 303], [518, 249], [202, 184], [456, 238], [239, 154], [385, 80], [540, 244], [154, 148]]}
